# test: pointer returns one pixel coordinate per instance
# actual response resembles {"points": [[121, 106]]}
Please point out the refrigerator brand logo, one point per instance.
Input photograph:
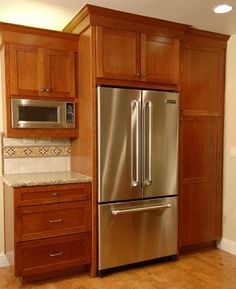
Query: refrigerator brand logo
{"points": [[170, 101]]}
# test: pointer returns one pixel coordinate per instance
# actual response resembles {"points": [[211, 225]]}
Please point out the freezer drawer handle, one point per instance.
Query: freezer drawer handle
{"points": [[141, 209]]}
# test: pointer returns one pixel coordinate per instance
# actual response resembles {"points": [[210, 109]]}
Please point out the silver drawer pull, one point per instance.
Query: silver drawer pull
{"points": [[55, 221], [55, 254], [55, 194], [141, 209]]}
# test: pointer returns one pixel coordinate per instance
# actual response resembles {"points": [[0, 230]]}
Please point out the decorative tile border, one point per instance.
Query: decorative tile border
{"points": [[36, 151]]}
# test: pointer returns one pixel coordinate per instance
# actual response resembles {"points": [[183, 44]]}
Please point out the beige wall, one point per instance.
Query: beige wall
{"points": [[229, 187]]}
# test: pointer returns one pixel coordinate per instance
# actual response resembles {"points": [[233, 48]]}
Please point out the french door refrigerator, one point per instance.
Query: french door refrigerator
{"points": [[137, 175]]}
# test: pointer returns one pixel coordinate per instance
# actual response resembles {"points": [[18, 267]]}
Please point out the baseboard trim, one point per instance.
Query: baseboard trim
{"points": [[3, 260], [227, 245]]}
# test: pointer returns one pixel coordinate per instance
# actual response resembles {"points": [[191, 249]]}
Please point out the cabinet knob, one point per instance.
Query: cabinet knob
{"points": [[47, 89], [42, 89], [55, 194], [143, 74], [138, 74]]}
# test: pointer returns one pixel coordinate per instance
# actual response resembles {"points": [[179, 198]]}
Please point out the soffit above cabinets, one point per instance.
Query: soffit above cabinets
{"points": [[56, 14]]}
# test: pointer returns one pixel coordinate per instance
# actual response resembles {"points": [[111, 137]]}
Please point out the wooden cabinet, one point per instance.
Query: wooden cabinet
{"points": [[201, 140], [114, 48], [129, 55], [51, 229], [41, 65], [37, 71]]}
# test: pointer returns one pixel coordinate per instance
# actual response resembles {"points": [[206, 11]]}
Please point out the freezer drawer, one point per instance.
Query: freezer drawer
{"points": [[135, 231]]}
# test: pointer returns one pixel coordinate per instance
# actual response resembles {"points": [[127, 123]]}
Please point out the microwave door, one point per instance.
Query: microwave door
{"points": [[28, 113]]}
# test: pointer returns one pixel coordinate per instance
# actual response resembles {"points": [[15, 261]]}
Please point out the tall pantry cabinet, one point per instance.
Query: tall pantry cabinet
{"points": [[201, 138], [127, 50]]}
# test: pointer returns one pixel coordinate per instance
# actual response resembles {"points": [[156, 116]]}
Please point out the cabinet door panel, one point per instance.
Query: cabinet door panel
{"points": [[199, 148], [45, 221], [118, 54], [200, 197], [203, 80], [199, 206], [159, 59], [60, 73], [24, 70], [52, 254]]}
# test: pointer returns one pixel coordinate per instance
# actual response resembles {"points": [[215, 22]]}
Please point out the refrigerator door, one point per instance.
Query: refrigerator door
{"points": [[160, 143], [135, 231], [119, 144]]}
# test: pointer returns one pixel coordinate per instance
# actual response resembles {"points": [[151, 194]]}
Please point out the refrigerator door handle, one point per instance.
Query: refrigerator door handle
{"points": [[141, 209], [134, 143], [148, 106]]}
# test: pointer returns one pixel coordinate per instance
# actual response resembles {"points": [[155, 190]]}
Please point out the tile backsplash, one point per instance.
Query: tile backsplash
{"points": [[23, 155]]}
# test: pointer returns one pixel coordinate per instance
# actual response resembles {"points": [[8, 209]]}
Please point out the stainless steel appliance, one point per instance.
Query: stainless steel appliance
{"points": [[137, 175], [30, 113]]}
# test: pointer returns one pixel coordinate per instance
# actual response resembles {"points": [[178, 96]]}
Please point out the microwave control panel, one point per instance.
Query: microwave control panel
{"points": [[70, 113]]}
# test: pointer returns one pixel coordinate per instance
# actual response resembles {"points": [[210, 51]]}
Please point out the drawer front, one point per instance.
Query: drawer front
{"points": [[51, 194], [35, 257], [45, 221]]}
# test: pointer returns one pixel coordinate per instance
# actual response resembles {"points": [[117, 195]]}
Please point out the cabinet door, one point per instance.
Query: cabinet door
{"points": [[59, 73], [118, 54], [159, 59], [200, 180], [203, 80], [36, 71], [24, 70]]}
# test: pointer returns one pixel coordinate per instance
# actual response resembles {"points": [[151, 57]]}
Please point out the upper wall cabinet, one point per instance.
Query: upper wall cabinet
{"points": [[128, 55], [37, 64], [36, 71]]}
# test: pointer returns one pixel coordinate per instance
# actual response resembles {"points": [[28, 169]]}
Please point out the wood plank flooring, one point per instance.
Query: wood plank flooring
{"points": [[208, 269]]}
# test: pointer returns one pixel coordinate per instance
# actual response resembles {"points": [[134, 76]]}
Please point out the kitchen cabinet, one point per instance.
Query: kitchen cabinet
{"points": [[114, 47], [129, 55], [37, 71], [48, 229], [37, 64], [201, 140]]}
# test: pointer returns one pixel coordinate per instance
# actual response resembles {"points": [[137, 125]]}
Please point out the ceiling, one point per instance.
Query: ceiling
{"points": [[55, 14]]}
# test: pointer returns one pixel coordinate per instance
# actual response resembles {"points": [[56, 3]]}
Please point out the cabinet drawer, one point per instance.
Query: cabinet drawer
{"points": [[51, 194], [45, 221], [35, 257]]}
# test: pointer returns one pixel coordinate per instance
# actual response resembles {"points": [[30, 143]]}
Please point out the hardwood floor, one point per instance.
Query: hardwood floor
{"points": [[208, 269]]}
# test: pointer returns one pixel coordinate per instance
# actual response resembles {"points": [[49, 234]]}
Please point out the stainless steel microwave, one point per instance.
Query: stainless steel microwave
{"points": [[29, 113]]}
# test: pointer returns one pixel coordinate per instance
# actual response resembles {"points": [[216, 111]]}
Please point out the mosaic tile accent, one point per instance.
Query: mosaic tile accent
{"points": [[36, 151]]}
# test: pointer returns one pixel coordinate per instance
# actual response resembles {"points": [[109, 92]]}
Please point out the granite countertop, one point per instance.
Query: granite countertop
{"points": [[43, 179]]}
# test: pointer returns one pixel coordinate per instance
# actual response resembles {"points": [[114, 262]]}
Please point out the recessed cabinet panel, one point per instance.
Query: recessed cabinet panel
{"points": [[24, 69], [117, 54], [199, 210], [200, 148], [36, 71], [160, 59], [128, 55], [203, 80], [61, 73]]}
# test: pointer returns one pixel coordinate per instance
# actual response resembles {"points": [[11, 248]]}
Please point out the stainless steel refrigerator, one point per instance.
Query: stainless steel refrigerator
{"points": [[137, 175]]}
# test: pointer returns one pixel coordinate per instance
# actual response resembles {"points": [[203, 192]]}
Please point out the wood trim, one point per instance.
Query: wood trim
{"points": [[100, 16], [84, 149], [137, 84], [40, 40], [38, 31]]}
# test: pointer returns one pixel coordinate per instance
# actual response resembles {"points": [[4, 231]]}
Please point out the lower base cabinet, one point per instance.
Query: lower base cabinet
{"points": [[41, 256], [48, 234]]}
